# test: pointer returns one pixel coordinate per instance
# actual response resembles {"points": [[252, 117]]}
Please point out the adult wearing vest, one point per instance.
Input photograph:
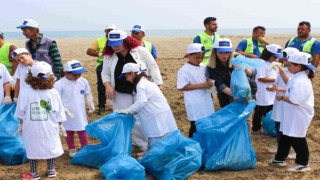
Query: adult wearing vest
{"points": [[41, 47], [138, 32], [306, 43], [253, 46], [96, 51], [207, 37]]}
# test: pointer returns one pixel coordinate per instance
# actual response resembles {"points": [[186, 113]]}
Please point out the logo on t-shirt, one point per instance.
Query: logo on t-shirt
{"points": [[39, 111], [82, 92]]}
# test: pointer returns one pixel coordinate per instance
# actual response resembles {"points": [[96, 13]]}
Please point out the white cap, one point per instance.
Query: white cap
{"points": [[196, 48], [138, 28], [302, 58], [41, 70], [275, 49], [29, 23], [131, 67], [116, 37], [110, 26], [288, 51], [74, 67], [19, 51], [223, 45]]}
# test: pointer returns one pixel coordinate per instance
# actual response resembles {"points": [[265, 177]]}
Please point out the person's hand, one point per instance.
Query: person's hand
{"points": [[208, 84], [70, 114], [7, 100], [91, 107], [62, 131], [13, 83], [122, 111], [262, 40], [272, 88], [276, 66], [100, 55], [238, 67], [109, 92], [279, 97], [19, 131]]}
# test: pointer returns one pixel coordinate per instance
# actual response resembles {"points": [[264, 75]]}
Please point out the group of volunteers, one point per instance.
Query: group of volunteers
{"points": [[51, 97]]}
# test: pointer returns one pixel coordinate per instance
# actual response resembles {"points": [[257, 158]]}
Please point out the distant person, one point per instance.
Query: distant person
{"points": [[306, 43], [5, 85], [96, 51], [208, 37], [138, 32], [41, 47], [253, 46]]}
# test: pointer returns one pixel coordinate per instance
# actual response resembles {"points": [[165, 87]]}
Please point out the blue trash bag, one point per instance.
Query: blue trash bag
{"points": [[123, 167], [174, 157], [114, 132], [239, 86], [12, 150], [268, 125], [244, 62], [225, 140]]}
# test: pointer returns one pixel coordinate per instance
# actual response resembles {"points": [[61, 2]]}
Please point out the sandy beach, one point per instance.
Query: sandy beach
{"points": [[171, 50]]}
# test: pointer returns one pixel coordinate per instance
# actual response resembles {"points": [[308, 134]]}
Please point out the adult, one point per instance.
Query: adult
{"points": [[306, 43], [123, 49], [208, 37], [253, 46], [138, 32], [41, 47], [96, 51]]}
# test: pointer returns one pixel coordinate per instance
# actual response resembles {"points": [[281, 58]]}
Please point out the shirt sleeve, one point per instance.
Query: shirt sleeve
{"points": [[21, 106], [154, 52], [315, 49], [297, 93], [141, 99], [261, 72], [6, 75], [55, 55], [197, 39], [182, 79], [58, 108], [242, 45], [17, 74]]}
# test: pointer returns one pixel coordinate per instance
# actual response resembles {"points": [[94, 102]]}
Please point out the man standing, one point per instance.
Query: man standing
{"points": [[306, 43], [208, 37], [252, 47], [96, 51], [41, 47], [138, 32]]}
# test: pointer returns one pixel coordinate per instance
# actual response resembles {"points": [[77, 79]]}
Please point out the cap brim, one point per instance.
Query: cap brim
{"points": [[278, 55], [311, 67], [115, 43], [79, 71], [136, 30], [224, 50], [22, 26]]}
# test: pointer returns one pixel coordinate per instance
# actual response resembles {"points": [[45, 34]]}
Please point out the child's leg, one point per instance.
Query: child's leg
{"points": [[283, 147], [192, 129], [277, 127], [83, 137], [259, 112], [70, 140], [51, 164], [300, 146], [33, 166]]}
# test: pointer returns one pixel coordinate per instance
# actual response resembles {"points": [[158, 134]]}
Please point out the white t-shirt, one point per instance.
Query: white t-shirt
{"points": [[198, 102], [4, 78], [297, 117], [278, 106], [21, 73], [263, 96], [154, 111], [41, 110], [73, 97]]}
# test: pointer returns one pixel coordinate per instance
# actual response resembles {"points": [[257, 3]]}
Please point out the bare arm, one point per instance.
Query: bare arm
{"points": [[247, 54], [92, 52], [6, 87], [227, 91], [266, 79], [283, 98], [204, 85]]}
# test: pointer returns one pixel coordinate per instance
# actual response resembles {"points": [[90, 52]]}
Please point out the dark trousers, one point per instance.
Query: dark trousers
{"points": [[192, 129], [259, 113], [299, 145], [278, 134], [101, 91]]}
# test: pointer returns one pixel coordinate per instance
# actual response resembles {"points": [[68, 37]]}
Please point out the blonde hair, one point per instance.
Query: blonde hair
{"points": [[213, 59]]}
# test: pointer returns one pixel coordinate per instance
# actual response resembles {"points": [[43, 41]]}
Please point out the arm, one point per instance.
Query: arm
{"points": [[93, 50], [241, 48], [283, 75], [14, 62], [152, 66], [265, 79], [204, 85], [283, 98], [197, 40], [55, 55], [316, 59], [6, 87], [154, 54], [106, 77], [17, 89], [262, 40]]}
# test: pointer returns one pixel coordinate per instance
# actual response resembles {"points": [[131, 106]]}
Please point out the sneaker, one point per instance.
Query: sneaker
{"points": [[51, 173], [277, 163], [72, 152], [299, 168], [273, 150], [30, 176], [292, 156], [101, 111], [257, 132]]}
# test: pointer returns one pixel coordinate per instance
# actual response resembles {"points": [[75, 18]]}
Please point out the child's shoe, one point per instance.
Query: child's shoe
{"points": [[72, 152], [277, 163], [30, 176], [299, 168], [51, 173], [292, 156]]}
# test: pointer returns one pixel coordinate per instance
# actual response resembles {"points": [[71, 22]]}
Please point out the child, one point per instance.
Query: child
{"points": [[41, 112], [73, 90], [152, 107], [192, 80], [265, 77], [299, 104], [5, 79]]}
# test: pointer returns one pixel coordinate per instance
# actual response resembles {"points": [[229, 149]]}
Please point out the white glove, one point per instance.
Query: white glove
{"points": [[15, 100], [19, 131], [275, 66], [62, 131], [68, 113], [13, 83], [100, 55], [213, 91], [7, 100], [122, 111], [90, 103]]}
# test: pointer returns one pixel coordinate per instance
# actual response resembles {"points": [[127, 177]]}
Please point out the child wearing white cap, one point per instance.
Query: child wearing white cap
{"points": [[265, 77], [152, 107], [194, 83], [5, 79], [74, 91], [41, 112], [299, 105]]}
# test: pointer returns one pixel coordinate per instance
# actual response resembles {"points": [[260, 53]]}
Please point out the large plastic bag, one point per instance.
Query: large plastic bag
{"points": [[244, 62], [224, 138], [12, 150], [268, 125], [114, 132], [239, 86], [174, 157], [123, 167]]}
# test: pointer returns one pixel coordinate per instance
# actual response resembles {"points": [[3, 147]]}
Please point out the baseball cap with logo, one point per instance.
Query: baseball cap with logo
{"points": [[110, 26], [195, 48], [302, 58], [116, 37], [138, 28], [275, 49], [131, 67], [19, 51], [29, 23], [74, 67], [288, 51], [223, 45], [41, 70]]}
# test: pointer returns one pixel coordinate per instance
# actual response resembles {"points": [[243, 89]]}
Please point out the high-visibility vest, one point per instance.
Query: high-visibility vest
{"points": [[206, 41], [101, 44], [4, 56], [249, 48], [147, 45], [307, 46]]}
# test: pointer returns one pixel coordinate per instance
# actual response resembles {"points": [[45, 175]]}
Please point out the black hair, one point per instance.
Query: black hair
{"points": [[137, 79], [208, 20], [305, 23], [255, 29], [266, 55], [304, 68]]}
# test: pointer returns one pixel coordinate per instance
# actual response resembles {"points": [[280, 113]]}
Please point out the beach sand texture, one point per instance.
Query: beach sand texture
{"points": [[171, 50]]}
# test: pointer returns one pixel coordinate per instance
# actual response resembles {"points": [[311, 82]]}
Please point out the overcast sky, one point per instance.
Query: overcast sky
{"points": [[62, 15]]}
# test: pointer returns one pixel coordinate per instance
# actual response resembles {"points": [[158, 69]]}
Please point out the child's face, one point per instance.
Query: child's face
{"points": [[195, 58], [223, 56], [72, 77], [130, 76], [24, 58], [272, 59], [293, 68]]}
